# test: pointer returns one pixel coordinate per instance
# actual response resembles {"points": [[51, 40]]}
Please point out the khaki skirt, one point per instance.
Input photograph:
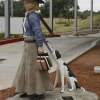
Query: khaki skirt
{"points": [[29, 78]]}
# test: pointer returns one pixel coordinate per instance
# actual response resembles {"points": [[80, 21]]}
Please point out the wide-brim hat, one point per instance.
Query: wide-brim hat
{"points": [[39, 1]]}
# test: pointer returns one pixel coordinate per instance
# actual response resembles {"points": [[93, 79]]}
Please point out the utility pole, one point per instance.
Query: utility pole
{"points": [[7, 18], [91, 16], [12, 8], [51, 14], [75, 16]]}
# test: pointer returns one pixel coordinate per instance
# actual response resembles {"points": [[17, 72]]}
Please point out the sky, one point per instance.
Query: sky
{"points": [[85, 5]]}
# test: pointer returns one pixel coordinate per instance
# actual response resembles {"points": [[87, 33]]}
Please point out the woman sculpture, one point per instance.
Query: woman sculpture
{"points": [[29, 80]]}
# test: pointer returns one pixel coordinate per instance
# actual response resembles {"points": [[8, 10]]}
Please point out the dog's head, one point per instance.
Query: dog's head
{"points": [[58, 55], [71, 74]]}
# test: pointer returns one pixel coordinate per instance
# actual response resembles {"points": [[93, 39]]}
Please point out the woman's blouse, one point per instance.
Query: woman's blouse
{"points": [[32, 27]]}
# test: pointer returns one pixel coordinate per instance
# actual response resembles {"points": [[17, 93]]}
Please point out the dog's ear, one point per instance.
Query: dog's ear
{"points": [[65, 64], [77, 85], [71, 74], [58, 55]]}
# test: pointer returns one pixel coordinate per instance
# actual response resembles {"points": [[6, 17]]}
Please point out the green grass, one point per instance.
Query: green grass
{"points": [[60, 26], [97, 21], [1, 36], [11, 36], [84, 24]]}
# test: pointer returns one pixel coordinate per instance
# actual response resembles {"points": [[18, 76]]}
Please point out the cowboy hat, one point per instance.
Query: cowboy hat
{"points": [[38, 1]]}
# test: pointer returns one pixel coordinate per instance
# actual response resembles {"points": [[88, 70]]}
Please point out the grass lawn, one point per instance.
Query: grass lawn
{"points": [[12, 36], [1, 35], [60, 25], [63, 26], [84, 24]]}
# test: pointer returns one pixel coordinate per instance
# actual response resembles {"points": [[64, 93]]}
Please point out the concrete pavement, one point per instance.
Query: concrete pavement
{"points": [[11, 53], [56, 95]]}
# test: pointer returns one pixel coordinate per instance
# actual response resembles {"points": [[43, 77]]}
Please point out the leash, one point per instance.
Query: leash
{"points": [[46, 25], [44, 39]]}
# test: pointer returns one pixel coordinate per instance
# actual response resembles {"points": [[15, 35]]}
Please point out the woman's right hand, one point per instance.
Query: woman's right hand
{"points": [[40, 50]]}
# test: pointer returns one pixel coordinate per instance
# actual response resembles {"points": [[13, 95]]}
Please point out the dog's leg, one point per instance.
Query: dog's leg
{"points": [[62, 79], [72, 84], [56, 78], [79, 87], [83, 89], [66, 74]]}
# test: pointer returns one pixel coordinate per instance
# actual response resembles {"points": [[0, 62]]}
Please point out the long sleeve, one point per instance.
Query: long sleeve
{"points": [[36, 29]]}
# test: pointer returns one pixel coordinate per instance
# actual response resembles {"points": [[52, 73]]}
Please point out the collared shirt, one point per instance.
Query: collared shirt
{"points": [[35, 31]]}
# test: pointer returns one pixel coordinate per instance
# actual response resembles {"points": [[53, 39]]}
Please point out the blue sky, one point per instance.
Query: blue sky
{"points": [[85, 5]]}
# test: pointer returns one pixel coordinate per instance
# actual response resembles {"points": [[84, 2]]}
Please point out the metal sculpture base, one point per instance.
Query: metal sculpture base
{"points": [[56, 95]]}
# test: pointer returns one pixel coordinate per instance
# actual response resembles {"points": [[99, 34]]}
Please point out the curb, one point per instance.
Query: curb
{"points": [[7, 41]]}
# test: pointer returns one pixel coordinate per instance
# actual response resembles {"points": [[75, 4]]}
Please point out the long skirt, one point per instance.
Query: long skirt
{"points": [[29, 79]]}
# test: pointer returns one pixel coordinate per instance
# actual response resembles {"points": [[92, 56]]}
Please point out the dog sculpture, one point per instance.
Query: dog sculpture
{"points": [[65, 71]]}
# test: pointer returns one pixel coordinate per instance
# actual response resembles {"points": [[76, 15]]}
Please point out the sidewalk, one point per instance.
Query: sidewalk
{"points": [[69, 47], [56, 95]]}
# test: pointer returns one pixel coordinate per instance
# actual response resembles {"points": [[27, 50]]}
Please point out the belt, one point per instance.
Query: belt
{"points": [[28, 37], [29, 41]]}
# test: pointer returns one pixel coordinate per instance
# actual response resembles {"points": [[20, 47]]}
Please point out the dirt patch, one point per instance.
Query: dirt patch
{"points": [[4, 94], [84, 70]]}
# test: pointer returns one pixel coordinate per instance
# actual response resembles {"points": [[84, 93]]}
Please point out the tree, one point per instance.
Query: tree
{"points": [[60, 8], [18, 9], [45, 9], [2, 8], [84, 14]]}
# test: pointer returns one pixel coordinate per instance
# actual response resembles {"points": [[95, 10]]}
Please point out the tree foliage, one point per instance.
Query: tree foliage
{"points": [[18, 9], [2, 9], [61, 8]]}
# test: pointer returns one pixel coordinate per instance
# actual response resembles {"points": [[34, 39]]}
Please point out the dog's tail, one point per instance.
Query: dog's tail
{"points": [[71, 74], [79, 87]]}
